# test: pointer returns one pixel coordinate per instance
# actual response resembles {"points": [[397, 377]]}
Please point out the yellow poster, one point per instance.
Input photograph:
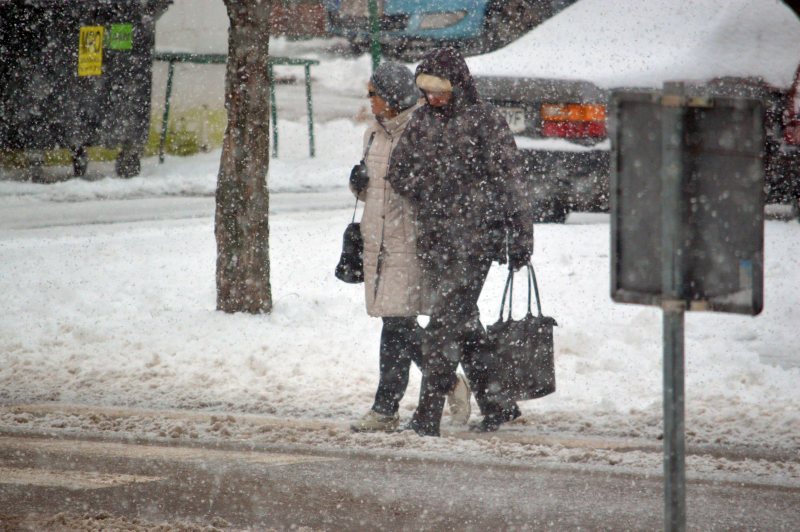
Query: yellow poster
{"points": [[90, 51]]}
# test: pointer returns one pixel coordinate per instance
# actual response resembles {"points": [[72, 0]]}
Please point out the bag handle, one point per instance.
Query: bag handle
{"points": [[509, 291], [369, 145], [363, 161], [532, 278], [355, 208]]}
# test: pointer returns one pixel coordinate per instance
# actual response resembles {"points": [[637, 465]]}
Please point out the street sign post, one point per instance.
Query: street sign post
{"points": [[687, 225], [374, 33]]}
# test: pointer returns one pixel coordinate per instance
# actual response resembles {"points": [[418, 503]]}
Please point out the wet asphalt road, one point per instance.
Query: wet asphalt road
{"points": [[282, 489]]}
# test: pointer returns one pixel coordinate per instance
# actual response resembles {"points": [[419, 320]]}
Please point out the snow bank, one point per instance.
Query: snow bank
{"points": [[634, 43], [338, 147], [123, 315]]}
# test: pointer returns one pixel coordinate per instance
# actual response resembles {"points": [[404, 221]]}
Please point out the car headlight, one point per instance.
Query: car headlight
{"points": [[433, 21]]}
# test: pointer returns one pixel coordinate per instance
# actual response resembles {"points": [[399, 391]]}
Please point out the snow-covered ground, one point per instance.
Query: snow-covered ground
{"points": [[123, 315], [111, 316]]}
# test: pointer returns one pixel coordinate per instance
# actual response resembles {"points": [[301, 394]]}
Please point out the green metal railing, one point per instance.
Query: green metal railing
{"points": [[216, 59]]}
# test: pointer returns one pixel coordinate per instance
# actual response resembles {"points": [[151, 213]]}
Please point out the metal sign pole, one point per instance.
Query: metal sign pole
{"points": [[673, 306], [374, 32], [674, 444], [667, 157], [165, 119]]}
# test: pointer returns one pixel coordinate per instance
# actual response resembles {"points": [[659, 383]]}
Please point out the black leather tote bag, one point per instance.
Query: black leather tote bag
{"points": [[523, 365], [350, 268]]}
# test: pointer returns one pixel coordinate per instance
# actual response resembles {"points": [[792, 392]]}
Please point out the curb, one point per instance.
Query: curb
{"points": [[506, 435]]}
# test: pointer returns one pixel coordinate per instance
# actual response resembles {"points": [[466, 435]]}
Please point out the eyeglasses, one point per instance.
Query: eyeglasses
{"points": [[437, 94]]}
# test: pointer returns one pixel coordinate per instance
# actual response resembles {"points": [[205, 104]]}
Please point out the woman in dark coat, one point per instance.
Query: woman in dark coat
{"points": [[392, 279], [458, 165]]}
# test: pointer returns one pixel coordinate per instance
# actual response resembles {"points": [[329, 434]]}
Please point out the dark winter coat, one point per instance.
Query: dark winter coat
{"points": [[460, 166]]}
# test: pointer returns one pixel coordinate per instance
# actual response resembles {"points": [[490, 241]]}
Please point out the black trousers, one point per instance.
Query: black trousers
{"points": [[401, 339], [455, 335]]}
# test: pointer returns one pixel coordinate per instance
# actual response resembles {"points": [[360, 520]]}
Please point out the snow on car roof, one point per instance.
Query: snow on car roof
{"points": [[634, 43]]}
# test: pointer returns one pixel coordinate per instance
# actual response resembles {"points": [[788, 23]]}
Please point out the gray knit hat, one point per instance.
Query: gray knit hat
{"points": [[394, 82]]}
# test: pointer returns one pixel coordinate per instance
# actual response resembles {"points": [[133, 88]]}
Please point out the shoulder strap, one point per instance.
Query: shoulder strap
{"points": [[369, 145], [366, 151]]}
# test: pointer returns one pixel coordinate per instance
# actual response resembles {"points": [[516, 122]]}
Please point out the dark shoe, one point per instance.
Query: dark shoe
{"points": [[421, 429], [492, 422], [428, 415], [513, 413], [489, 423]]}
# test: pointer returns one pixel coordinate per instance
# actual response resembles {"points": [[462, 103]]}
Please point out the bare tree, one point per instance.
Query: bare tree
{"points": [[242, 224]]}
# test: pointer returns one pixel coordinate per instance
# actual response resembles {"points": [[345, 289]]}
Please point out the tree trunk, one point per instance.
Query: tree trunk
{"points": [[242, 203]]}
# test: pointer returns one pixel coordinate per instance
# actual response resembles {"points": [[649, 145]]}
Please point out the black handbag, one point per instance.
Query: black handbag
{"points": [[350, 268], [523, 361]]}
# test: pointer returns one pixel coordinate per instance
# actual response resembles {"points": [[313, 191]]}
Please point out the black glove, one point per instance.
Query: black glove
{"points": [[517, 259], [359, 178]]}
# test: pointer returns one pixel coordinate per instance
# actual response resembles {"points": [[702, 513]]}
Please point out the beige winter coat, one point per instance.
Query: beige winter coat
{"points": [[392, 276]]}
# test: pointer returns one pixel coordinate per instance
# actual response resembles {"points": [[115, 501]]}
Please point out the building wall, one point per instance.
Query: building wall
{"points": [[193, 26], [199, 26]]}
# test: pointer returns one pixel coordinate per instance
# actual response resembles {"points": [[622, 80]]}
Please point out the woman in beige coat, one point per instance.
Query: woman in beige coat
{"points": [[392, 277]]}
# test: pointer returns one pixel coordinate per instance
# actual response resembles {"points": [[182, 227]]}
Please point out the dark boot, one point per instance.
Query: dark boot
{"points": [[422, 428], [426, 419], [492, 422]]}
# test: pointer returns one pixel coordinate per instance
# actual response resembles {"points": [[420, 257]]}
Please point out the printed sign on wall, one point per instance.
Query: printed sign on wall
{"points": [[90, 51], [121, 37]]}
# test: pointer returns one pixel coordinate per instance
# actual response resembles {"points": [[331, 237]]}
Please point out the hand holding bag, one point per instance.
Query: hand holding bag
{"points": [[350, 268], [523, 349]]}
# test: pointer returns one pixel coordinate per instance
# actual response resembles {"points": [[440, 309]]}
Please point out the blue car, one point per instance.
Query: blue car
{"points": [[408, 28]]}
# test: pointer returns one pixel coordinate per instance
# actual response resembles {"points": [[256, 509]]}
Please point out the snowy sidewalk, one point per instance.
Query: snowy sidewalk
{"points": [[514, 445], [123, 314]]}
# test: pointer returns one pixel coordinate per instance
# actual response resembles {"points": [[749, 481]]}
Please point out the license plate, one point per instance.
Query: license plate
{"points": [[515, 118]]}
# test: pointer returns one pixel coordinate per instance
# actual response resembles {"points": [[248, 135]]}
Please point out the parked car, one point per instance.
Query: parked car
{"points": [[408, 28], [789, 151], [560, 128], [554, 83]]}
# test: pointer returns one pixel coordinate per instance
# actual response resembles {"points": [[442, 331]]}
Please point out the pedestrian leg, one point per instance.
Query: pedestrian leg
{"points": [[458, 285], [440, 357], [400, 345], [478, 363]]}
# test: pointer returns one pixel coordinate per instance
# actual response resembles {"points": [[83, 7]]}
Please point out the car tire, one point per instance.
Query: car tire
{"points": [[80, 161], [552, 211], [128, 163], [402, 52], [34, 166], [357, 48], [507, 20], [796, 198]]}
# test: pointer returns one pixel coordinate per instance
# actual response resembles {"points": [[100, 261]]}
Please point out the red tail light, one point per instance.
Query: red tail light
{"points": [[573, 120], [791, 129], [791, 123], [791, 133]]}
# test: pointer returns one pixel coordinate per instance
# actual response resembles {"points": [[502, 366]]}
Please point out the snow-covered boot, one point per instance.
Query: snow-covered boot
{"points": [[458, 401], [372, 421]]}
